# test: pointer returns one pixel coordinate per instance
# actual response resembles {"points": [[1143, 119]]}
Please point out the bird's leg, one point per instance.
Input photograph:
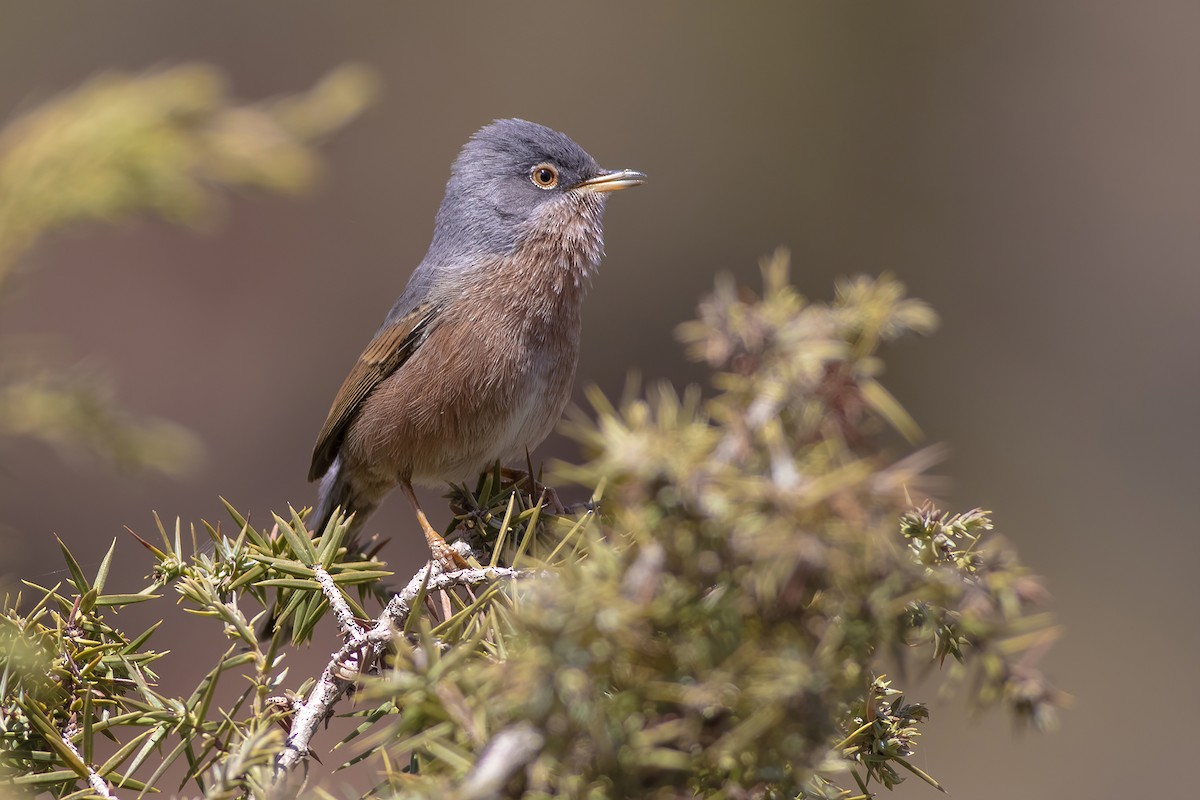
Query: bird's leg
{"points": [[442, 552]]}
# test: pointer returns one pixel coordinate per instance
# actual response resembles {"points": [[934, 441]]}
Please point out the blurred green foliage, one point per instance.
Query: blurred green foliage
{"points": [[716, 622], [158, 144]]}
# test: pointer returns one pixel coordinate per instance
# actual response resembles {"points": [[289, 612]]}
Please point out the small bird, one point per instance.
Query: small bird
{"points": [[474, 363]]}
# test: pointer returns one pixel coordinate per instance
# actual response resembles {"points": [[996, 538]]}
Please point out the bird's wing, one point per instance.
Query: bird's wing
{"points": [[387, 352]]}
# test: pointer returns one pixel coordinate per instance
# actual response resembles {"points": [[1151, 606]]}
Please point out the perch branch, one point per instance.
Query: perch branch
{"points": [[341, 609], [98, 784], [363, 648]]}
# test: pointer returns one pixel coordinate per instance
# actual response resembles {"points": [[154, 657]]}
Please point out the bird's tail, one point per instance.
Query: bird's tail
{"points": [[331, 496], [334, 496]]}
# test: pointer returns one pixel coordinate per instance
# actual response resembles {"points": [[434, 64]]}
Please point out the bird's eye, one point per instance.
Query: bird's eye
{"points": [[544, 176]]}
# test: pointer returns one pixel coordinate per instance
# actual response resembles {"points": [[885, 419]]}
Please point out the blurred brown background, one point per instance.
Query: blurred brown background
{"points": [[1030, 168]]}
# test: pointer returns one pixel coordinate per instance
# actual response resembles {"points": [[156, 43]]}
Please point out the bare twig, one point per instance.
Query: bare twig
{"points": [[400, 606], [341, 609], [98, 784], [364, 647]]}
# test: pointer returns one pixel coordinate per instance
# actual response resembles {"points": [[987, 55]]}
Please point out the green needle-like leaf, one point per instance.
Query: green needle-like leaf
{"points": [[298, 541], [77, 578], [105, 563]]}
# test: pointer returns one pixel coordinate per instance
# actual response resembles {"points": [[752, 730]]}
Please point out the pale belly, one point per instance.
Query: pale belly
{"points": [[538, 404]]}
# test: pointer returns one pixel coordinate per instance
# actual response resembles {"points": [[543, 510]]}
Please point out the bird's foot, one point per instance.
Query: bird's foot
{"points": [[441, 551]]}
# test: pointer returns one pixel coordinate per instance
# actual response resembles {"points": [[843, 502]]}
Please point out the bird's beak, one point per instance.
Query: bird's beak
{"points": [[612, 180]]}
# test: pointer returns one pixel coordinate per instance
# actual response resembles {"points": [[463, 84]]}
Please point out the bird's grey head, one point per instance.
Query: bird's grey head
{"points": [[517, 184]]}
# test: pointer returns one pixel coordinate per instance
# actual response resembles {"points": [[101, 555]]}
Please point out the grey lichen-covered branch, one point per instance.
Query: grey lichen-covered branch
{"points": [[364, 646], [96, 783]]}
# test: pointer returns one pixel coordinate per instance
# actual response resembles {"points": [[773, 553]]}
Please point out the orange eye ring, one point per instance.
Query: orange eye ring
{"points": [[544, 176]]}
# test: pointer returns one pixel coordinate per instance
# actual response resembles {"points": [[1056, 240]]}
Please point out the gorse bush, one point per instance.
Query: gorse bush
{"points": [[722, 625], [717, 621]]}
